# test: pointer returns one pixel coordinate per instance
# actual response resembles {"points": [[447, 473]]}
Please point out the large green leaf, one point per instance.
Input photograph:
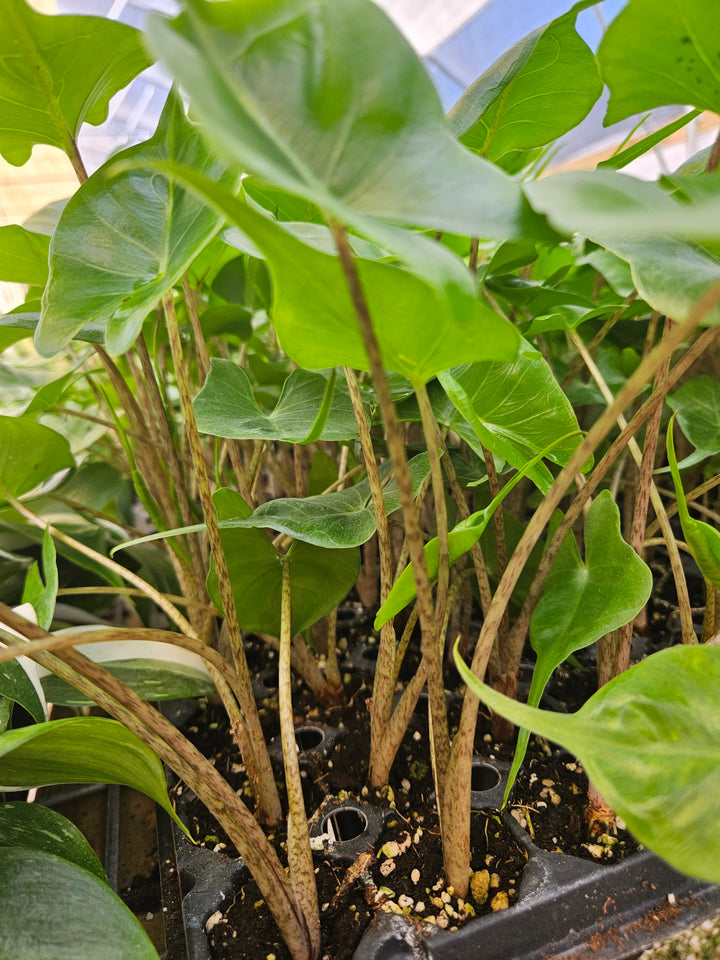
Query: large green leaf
{"points": [[320, 578], [420, 331], [539, 89], [80, 750], [31, 825], [582, 602], [29, 454], [333, 520], [649, 60], [226, 407], [121, 243], [514, 409], [23, 255], [650, 743], [50, 908], [57, 72], [283, 88]]}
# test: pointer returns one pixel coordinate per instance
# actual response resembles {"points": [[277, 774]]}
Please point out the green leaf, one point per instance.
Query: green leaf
{"points": [[153, 669], [43, 594], [582, 602], [33, 826], [226, 407], [702, 539], [649, 741], [420, 331], [121, 243], [16, 685], [649, 60], [284, 90], [514, 409], [58, 72], [697, 403], [23, 255], [29, 454], [52, 908], [320, 578], [80, 750], [541, 88]]}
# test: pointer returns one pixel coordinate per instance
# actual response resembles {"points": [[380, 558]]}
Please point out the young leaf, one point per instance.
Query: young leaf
{"points": [[86, 920], [42, 595], [120, 244], [58, 72], [33, 826], [697, 403], [650, 743], [226, 407], [29, 454], [649, 61], [460, 539], [320, 578], [538, 90], [515, 410], [581, 602], [702, 539], [284, 91], [16, 685]]}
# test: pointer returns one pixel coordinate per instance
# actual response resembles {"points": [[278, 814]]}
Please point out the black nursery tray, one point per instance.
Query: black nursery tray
{"points": [[567, 908]]}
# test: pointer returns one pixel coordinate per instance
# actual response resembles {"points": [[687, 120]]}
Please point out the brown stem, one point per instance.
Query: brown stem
{"points": [[300, 860], [252, 742], [396, 446]]}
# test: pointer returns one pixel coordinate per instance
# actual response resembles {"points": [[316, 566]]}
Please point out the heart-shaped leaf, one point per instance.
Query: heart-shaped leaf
{"points": [[57, 72], [284, 90], [582, 602], [81, 750], [87, 920], [33, 826], [320, 578], [702, 539], [29, 454], [226, 407], [649, 61], [539, 89], [121, 243], [697, 403], [650, 743], [515, 410]]}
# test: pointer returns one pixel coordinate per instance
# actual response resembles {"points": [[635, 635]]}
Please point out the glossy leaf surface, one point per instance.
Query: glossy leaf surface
{"points": [[539, 89], [33, 826], [121, 243], [515, 410], [320, 578], [86, 920], [226, 407], [583, 601], [649, 741], [57, 72], [284, 90], [649, 60], [16, 685], [702, 539], [23, 256], [81, 750], [29, 454]]}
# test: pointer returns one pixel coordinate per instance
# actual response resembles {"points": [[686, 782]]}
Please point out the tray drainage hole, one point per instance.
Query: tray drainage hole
{"points": [[346, 823], [484, 777], [308, 738]]}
